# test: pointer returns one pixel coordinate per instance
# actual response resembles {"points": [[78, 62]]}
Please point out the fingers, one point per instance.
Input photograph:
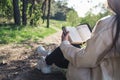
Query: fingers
{"points": [[65, 36]]}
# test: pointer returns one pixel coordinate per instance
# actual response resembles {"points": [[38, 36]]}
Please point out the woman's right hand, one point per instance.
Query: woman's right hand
{"points": [[65, 36]]}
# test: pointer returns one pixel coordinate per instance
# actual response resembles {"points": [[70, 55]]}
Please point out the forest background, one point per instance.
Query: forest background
{"points": [[32, 20]]}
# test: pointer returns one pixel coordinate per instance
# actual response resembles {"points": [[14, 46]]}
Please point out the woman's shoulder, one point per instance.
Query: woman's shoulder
{"points": [[107, 18], [104, 24]]}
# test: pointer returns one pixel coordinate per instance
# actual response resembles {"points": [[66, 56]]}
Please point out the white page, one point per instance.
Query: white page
{"points": [[84, 32], [74, 35]]}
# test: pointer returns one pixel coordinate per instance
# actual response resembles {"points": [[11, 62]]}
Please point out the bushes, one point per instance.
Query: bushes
{"points": [[72, 18]]}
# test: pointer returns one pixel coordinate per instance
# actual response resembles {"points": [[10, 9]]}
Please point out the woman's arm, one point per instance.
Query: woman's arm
{"points": [[89, 56]]}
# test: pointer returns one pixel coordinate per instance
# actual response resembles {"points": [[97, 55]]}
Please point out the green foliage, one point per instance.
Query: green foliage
{"points": [[6, 11], [59, 9], [72, 18], [36, 14], [6, 8], [91, 18]]}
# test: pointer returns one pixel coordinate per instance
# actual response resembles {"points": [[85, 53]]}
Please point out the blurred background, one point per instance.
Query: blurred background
{"points": [[22, 20]]}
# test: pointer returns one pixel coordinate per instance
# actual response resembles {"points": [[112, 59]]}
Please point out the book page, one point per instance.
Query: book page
{"points": [[84, 32], [74, 35]]}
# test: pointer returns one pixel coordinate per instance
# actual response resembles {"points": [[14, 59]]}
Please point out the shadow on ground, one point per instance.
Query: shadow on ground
{"points": [[35, 74], [21, 64]]}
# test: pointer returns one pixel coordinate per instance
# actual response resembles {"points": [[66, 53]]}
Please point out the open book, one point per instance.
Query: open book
{"points": [[78, 34]]}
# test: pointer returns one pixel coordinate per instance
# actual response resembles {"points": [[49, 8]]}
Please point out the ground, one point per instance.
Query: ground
{"points": [[18, 61]]}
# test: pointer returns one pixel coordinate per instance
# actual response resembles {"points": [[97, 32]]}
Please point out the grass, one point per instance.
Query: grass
{"points": [[17, 35], [58, 24]]}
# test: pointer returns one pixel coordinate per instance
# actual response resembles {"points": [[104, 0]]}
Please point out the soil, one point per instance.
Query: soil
{"points": [[18, 61]]}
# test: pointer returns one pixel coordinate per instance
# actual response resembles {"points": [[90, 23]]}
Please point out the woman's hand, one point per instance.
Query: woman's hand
{"points": [[65, 36]]}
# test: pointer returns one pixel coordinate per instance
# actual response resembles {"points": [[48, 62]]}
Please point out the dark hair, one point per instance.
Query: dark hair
{"points": [[117, 23], [117, 30]]}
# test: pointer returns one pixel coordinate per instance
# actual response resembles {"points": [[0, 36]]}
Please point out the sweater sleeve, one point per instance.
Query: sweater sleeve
{"points": [[89, 56]]}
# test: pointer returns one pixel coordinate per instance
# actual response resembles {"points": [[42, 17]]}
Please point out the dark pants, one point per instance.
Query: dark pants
{"points": [[57, 58]]}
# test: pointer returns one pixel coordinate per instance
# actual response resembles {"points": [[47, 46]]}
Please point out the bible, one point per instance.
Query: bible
{"points": [[78, 34]]}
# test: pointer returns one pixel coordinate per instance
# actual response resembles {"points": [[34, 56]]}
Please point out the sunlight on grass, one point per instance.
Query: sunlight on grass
{"points": [[10, 35], [58, 24], [18, 34]]}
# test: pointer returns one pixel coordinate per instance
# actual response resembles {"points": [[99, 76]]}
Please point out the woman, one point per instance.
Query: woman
{"points": [[100, 60]]}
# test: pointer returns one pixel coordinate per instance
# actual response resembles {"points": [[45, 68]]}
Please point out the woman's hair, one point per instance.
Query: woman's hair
{"points": [[115, 6], [115, 40]]}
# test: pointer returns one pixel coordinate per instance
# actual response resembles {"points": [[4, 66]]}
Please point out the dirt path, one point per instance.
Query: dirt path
{"points": [[55, 38], [21, 58]]}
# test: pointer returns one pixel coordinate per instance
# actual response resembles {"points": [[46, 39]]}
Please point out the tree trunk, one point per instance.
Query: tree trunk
{"points": [[31, 11], [44, 9], [48, 15], [24, 18], [16, 12]]}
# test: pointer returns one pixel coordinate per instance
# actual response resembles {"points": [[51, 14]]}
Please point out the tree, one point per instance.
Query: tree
{"points": [[24, 15], [16, 12], [34, 11], [44, 9], [6, 9], [59, 10], [46, 6], [72, 18], [48, 15]]}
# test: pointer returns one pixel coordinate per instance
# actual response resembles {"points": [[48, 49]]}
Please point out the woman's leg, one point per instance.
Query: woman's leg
{"points": [[57, 58]]}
